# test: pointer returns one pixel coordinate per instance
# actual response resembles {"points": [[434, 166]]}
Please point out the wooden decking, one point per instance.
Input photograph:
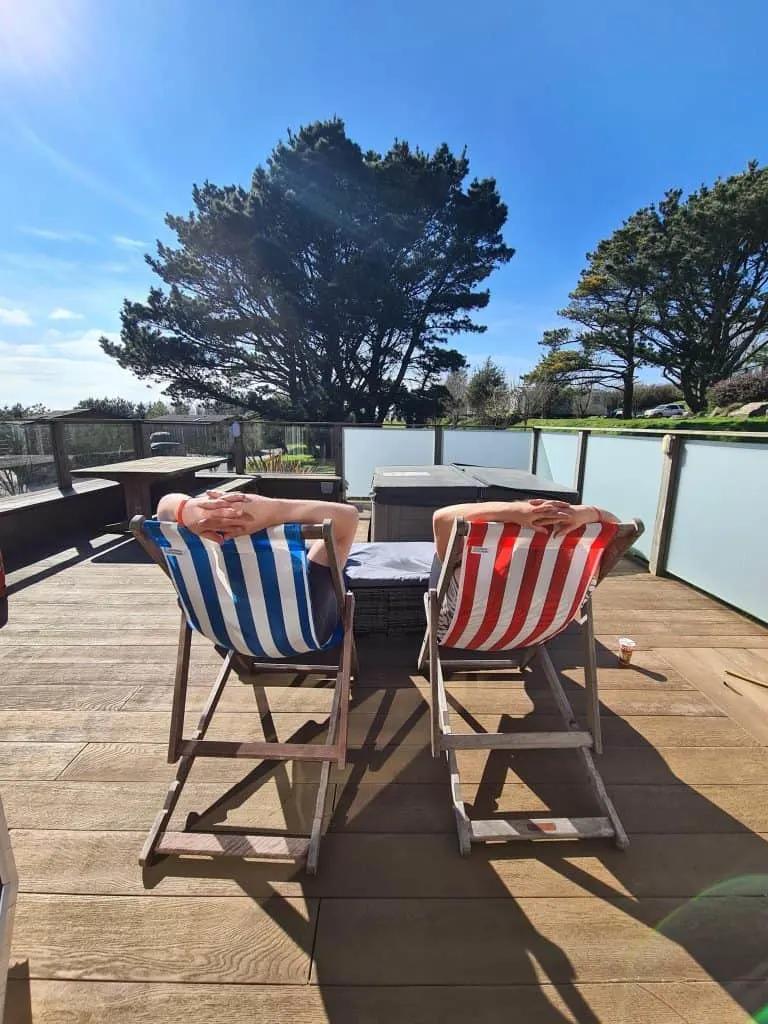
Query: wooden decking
{"points": [[396, 927]]}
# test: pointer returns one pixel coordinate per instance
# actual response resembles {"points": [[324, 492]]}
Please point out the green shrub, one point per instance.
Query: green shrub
{"points": [[738, 390], [298, 460]]}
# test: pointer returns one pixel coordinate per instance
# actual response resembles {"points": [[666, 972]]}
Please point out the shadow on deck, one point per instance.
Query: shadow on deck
{"points": [[396, 926]]}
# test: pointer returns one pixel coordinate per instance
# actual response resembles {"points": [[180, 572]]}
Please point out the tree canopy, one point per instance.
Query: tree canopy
{"points": [[710, 292], [325, 290], [682, 285], [611, 303]]}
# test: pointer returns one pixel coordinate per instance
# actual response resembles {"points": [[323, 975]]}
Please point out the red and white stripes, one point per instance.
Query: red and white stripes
{"points": [[518, 588]]}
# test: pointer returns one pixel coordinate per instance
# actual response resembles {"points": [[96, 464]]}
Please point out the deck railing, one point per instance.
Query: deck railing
{"points": [[701, 494]]}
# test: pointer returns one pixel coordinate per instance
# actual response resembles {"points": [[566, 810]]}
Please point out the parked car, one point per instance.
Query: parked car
{"points": [[617, 414], [669, 410]]}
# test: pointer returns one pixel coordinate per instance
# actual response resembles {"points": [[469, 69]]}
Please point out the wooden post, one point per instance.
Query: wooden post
{"points": [[535, 438], [581, 462], [337, 449], [337, 432], [238, 448], [672, 446], [137, 426], [60, 457], [437, 457]]}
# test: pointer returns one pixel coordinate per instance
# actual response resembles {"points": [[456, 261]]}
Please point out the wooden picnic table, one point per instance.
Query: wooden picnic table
{"points": [[138, 475]]}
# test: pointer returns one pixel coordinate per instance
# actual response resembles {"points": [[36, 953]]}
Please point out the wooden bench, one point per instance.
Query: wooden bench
{"points": [[29, 520], [236, 483]]}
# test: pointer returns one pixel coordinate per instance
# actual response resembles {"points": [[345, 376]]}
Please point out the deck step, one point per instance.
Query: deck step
{"points": [[507, 829], [516, 740], [233, 844]]}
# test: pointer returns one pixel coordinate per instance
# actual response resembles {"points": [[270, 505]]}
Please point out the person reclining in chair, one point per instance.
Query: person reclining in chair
{"points": [[220, 517], [541, 515]]}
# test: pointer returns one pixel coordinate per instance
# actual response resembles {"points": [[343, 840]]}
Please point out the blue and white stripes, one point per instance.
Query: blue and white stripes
{"points": [[250, 594]]}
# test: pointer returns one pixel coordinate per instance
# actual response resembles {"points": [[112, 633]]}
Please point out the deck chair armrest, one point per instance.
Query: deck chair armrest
{"points": [[152, 549], [626, 535], [452, 558]]}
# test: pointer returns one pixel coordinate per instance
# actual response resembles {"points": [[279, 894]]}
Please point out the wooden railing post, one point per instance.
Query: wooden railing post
{"points": [[535, 439], [337, 449], [238, 448], [60, 456], [137, 427], [437, 457], [672, 446], [581, 463]]}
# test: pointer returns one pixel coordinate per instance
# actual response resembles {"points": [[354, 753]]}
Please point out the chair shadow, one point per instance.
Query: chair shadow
{"points": [[525, 949], [18, 996], [723, 926], [723, 934], [85, 550]]}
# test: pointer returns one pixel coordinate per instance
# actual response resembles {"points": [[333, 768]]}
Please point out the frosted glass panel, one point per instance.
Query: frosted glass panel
{"points": [[507, 449], [365, 448], [623, 475], [708, 548], [557, 457]]}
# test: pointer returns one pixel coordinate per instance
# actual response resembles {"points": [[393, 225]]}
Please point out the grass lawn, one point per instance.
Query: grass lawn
{"points": [[729, 423]]}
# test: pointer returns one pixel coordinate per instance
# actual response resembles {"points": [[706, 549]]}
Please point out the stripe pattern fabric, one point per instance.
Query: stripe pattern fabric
{"points": [[250, 594], [518, 588]]}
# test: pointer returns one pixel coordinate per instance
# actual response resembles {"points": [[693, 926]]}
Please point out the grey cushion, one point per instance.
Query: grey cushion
{"points": [[391, 563]]}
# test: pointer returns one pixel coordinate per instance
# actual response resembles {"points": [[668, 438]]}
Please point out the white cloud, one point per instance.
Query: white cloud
{"points": [[65, 370], [60, 313], [129, 243], [39, 263], [14, 317], [50, 235]]}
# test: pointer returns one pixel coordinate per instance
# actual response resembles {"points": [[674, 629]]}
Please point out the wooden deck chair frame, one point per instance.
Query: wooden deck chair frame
{"points": [[160, 842], [585, 741]]}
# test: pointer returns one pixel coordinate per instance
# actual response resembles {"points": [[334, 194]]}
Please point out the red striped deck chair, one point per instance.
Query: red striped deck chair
{"points": [[250, 597], [505, 588]]}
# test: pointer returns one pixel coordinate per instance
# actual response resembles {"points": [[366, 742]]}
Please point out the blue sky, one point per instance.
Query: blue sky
{"points": [[110, 110]]}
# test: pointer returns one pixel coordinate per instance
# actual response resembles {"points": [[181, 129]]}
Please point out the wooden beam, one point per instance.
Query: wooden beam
{"points": [[507, 829], [672, 446], [561, 740], [233, 844]]}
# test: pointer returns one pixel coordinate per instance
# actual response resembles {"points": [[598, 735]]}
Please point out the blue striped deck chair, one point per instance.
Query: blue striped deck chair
{"points": [[250, 597]]}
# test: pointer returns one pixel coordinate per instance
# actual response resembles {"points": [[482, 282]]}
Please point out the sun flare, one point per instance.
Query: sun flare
{"points": [[37, 36]]}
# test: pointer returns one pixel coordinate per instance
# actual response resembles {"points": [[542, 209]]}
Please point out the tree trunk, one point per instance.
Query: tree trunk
{"points": [[692, 394], [628, 398]]}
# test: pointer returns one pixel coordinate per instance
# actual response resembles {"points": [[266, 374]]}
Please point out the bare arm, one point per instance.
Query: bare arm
{"points": [[236, 514], [540, 515], [537, 516], [259, 513]]}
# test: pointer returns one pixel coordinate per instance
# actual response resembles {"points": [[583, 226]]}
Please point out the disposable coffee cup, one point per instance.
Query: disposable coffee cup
{"points": [[626, 647]]}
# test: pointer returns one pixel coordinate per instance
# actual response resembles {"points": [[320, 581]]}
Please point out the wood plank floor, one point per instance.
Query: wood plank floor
{"points": [[396, 926]]}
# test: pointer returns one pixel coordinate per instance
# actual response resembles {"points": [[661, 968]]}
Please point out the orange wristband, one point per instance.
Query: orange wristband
{"points": [[180, 511]]}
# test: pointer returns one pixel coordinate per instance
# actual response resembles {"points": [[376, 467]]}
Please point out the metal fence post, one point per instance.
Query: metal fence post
{"points": [[437, 457], [581, 463], [60, 456], [535, 438], [672, 446]]}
